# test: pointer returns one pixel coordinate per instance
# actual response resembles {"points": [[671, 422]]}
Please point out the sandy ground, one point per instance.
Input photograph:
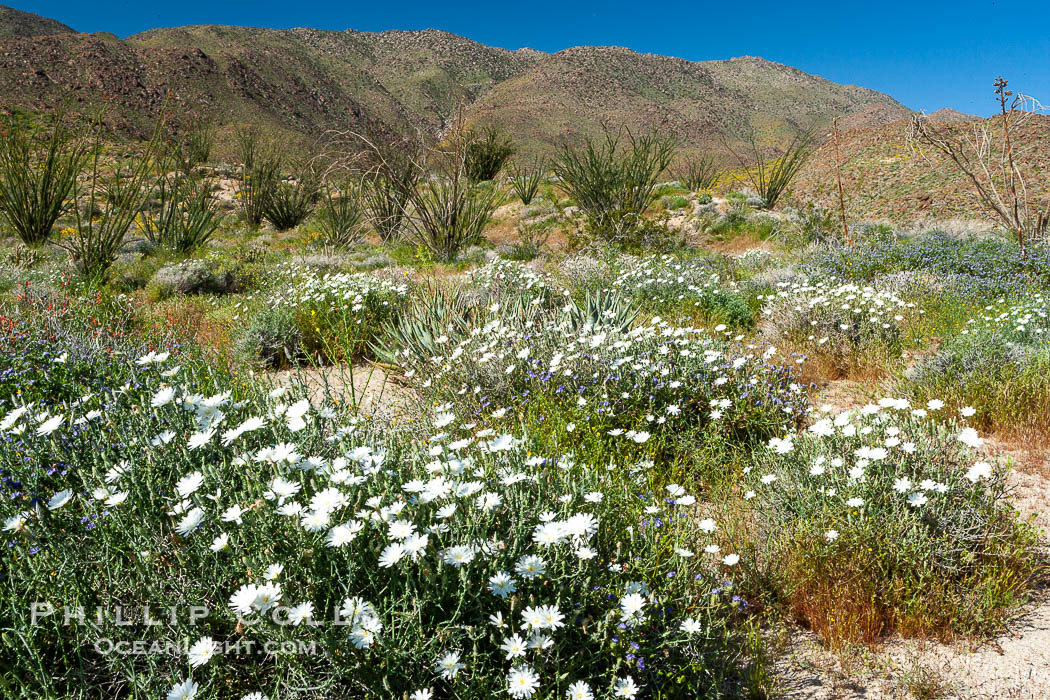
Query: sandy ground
{"points": [[373, 390]]}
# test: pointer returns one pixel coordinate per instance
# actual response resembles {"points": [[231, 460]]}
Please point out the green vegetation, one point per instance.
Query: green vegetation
{"points": [[187, 215], [628, 448], [613, 180], [112, 201], [37, 177], [771, 177], [287, 203], [700, 173], [486, 153], [525, 180], [342, 216]]}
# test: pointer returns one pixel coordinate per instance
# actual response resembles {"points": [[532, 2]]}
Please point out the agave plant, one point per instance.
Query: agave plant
{"points": [[602, 309], [436, 318]]}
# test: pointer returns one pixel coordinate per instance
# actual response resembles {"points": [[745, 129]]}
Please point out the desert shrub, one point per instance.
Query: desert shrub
{"points": [[449, 214], [449, 211], [486, 153], [584, 272], [525, 180], [341, 216], [374, 262], [814, 224], [735, 219], [725, 306], [669, 189], [771, 177], [613, 180], [37, 178], [393, 170], [699, 173], [852, 327], [879, 521], [188, 214], [326, 263], [767, 281], [339, 316], [288, 203], [260, 171], [704, 198], [192, 277], [753, 260], [532, 236], [411, 560], [115, 193], [132, 272], [666, 285], [541, 211], [7, 279], [25, 257], [674, 203], [272, 339], [875, 232], [386, 200], [925, 682], [999, 366]]}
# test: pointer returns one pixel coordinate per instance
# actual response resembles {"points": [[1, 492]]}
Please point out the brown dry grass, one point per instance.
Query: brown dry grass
{"points": [[735, 245], [822, 368], [841, 613]]}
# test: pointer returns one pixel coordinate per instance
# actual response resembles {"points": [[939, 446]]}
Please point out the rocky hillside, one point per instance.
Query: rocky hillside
{"points": [[572, 92], [15, 23], [887, 175], [307, 81]]}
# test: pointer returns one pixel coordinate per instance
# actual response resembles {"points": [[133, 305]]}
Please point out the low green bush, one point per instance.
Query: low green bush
{"points": [[850, 327], [675, 203], [879, 521], [998, 365], [339, 316], [683, 287], [396, 562], [271, 339]]}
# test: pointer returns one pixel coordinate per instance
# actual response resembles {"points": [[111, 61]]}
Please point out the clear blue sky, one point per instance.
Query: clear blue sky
{"points": [[927, 54]]}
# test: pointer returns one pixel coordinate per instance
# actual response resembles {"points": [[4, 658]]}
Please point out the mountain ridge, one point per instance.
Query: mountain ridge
{"points": [[305, 82], [17, 23]]}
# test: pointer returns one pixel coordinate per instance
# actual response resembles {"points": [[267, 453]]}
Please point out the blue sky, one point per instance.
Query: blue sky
{"points": [[928, 54]]}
